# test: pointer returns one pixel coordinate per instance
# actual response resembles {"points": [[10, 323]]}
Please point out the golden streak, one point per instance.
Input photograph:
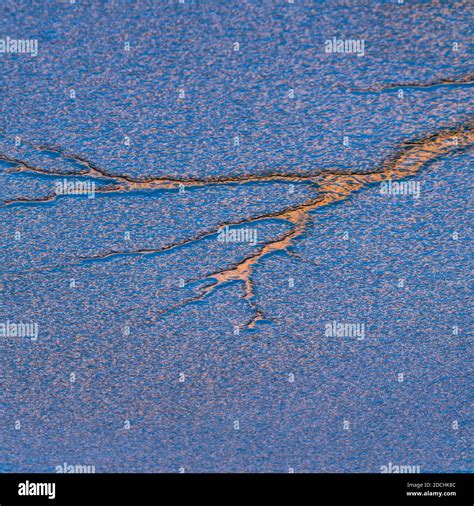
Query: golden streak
{"points": [[334, 188]]}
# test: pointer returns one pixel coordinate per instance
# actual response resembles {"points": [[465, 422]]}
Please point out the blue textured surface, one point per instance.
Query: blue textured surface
{"points": [[344, 267]]}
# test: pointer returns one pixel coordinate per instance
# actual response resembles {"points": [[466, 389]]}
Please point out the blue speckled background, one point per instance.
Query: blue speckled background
{"points": [[190, 425]]}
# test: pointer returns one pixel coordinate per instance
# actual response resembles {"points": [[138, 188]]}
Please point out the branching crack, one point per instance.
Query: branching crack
{"points": [[332, 187]]}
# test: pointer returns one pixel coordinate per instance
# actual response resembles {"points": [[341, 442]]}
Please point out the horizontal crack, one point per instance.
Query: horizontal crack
{"points": [[464, 81], [332, 188]]}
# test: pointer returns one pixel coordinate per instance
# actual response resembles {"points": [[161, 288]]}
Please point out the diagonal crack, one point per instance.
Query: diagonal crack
{"points": [[334, 188]]}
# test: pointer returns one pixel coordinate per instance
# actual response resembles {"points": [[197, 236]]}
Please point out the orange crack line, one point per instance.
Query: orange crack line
{"points": [[337, 188]]}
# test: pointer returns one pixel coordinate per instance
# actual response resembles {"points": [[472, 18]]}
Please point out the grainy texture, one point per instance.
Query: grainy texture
{"points": [[233, 246]]}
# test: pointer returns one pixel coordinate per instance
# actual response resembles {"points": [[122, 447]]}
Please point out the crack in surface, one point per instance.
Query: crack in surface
{"points": [[332, 187], [335, 187], [120, 183], [463, 81]]}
